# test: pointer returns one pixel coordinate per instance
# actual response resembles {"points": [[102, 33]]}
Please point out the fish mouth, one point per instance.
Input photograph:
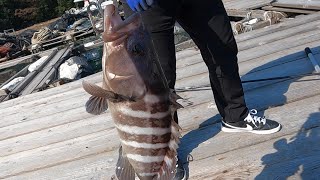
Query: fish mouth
{"points": [[112, 76], [115, 29]]}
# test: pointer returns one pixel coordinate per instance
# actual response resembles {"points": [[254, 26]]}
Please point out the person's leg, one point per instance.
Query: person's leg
{"points": [[209, 26]]}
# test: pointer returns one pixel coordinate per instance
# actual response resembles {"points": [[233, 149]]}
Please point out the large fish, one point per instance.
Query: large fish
{"points": [[140, 104]]}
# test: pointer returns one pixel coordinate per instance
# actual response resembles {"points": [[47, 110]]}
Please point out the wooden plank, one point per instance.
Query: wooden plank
{"points": [[50, 74], [16, 61], [288, 10], [292, 115], [58, 153], [281, 158], [57, 90], [42, 111], [23, 144], [301, 20], [95, 167], [274, 95], [31, 161], [47, 101], [278, 36], [247, 42], [294, 66], [22, 85], [39, 77], [45, 122], [245, 13], [301, 4], [56, 134], [182, 55], [263, 52], [277, 46], [299, 66], [290, 54], [186, 76], [249, 33], [243, 4]]}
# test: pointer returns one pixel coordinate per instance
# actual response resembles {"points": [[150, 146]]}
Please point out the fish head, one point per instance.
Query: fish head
{"points": [[127, 62]]}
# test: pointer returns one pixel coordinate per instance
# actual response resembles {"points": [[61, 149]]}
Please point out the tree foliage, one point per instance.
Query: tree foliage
{"points": [[64, 5], [19, 14], [6, 14]]}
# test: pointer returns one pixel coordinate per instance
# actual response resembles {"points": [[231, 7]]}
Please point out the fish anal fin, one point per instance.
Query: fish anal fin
{"points": [[168, 172], [124, 170], [96, 105]]}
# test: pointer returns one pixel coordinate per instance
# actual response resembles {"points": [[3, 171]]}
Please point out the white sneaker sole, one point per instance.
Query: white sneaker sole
{"points": [[225, 129]]}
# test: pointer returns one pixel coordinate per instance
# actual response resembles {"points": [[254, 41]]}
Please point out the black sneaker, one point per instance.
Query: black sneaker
{"points": [[253, 124], [180, 172]]}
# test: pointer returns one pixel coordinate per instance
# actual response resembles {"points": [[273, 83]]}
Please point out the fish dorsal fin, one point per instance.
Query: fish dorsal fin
{"points": [[124, 170]]}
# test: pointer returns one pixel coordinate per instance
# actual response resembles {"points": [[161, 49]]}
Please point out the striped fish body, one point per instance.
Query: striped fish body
{"points": [[148, 134], [140, 105]]}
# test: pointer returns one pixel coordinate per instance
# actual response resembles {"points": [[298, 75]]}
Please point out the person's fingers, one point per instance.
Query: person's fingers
{"points": [[131, 7], [149, 2], [144, 4], [138, 7]]}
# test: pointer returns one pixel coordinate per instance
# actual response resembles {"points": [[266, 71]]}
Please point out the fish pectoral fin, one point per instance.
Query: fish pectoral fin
{"points": [[124, 170], [96, 105], [97, 91]]}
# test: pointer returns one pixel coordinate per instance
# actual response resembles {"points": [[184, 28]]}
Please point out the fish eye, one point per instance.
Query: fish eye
{"points": [[137, 50]]}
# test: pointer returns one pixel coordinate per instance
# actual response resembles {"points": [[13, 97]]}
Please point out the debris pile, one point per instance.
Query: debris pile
{"points": [[244, 20], [73, 25], [257, 21], [12, 45], [54, 68]]}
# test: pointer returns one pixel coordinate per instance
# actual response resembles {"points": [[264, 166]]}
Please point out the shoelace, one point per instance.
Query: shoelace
{"points": [[254, 119]]}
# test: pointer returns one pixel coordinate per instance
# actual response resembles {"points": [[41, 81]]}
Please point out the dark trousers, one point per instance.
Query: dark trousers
{"points": [[207, 23]]}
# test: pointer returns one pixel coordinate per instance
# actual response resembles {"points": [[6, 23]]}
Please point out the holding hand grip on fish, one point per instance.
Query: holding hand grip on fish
{"points": [[139, 5], [141, 105]]}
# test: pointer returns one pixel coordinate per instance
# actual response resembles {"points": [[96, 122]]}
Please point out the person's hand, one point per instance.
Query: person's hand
{"points": [[140, 5]]}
